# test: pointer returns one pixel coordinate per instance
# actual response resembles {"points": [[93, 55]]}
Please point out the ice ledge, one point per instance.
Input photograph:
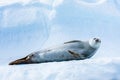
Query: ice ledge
{"points": [[91, 69]]}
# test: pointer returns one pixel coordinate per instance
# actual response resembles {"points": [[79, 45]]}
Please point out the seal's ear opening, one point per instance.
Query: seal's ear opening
{"points": [[25, 60]]}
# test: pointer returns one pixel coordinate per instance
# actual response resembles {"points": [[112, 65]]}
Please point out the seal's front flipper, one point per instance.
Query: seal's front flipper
{"points": [[73, 53], [76, 55], [25, 60]]}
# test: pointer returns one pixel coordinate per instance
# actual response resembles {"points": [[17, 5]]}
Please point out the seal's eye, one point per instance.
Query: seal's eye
{"points": [[97, 40], [94, 38]]}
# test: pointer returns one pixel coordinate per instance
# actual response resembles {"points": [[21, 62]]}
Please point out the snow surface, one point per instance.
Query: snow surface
{"points": [[90, 69]]}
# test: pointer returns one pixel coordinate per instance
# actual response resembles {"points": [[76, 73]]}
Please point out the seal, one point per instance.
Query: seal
{"points": [[72, 50]]}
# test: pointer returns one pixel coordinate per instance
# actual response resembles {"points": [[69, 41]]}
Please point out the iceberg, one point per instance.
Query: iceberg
{"points": [[23, 28], [91, 69]]}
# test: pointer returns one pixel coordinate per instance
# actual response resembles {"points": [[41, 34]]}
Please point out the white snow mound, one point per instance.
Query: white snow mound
{"points": [[91, 69]]}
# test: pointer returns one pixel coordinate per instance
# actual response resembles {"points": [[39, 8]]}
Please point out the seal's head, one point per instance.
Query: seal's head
{"points": [[95, 42]]}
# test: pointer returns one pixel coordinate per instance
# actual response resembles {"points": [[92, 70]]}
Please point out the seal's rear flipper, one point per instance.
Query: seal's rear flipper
{"points": [[25, 60]]}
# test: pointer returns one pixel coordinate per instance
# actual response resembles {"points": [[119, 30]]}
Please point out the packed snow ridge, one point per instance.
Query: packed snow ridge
{"points": [[90, 69]]}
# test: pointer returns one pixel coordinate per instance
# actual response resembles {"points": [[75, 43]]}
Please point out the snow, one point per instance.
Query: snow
{"points": [[90, 69], [23, 26]]}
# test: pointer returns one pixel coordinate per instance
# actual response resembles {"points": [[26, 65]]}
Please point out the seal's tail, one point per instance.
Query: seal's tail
{"points": [[25, 60]]}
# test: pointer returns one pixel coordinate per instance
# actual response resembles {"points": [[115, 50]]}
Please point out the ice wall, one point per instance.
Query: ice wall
{"points": [[23, 28]]}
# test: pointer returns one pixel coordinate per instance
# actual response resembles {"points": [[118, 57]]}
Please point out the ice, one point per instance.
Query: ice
{"points": [[91, 69], [23, 28]]}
